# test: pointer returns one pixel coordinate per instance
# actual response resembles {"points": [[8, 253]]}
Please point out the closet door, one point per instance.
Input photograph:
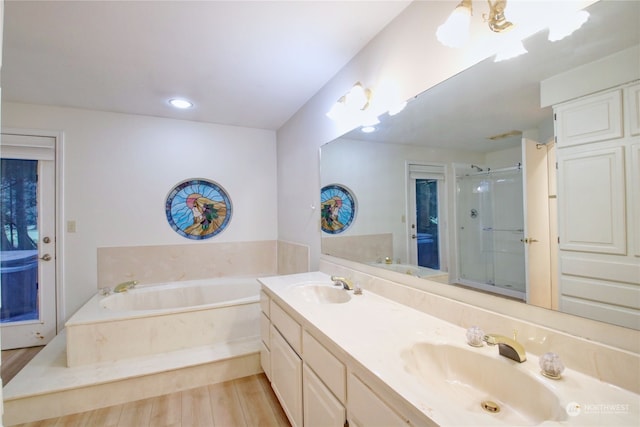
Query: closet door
{"points": [[591, 199], [593, 118]]}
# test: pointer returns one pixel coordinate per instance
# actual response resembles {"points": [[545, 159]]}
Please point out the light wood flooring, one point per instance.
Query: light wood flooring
{"points": [[248, 402]]}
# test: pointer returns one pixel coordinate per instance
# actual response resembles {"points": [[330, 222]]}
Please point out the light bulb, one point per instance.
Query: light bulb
{"points": [[455, 31], [180, 103]]}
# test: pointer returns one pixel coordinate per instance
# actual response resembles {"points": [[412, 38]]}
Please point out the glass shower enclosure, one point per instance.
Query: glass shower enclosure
{"points": [[490, 229]]}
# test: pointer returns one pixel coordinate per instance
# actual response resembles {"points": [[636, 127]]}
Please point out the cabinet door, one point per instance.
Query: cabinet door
{"points": [[635, 196], [591, 199], [632, 108], [321, 408], [286, 377], [590, 119], [365, 408]]}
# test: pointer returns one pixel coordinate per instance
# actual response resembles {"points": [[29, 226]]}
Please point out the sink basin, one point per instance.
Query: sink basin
{"points": [[321, 293], [482, 383]]}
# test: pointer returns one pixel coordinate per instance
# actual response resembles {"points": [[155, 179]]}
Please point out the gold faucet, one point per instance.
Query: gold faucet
{"points": [[507, 347], [342, 281], [125, 286]]}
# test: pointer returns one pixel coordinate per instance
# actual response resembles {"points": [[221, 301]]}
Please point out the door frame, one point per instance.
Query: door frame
{"points": [[59, 212]]}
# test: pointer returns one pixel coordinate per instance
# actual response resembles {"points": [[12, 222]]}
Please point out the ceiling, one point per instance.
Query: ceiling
{"points": [[244, 63]]}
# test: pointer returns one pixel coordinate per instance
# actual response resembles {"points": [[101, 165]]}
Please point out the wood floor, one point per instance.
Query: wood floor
{"points": [[14, 360], [248, 402]]}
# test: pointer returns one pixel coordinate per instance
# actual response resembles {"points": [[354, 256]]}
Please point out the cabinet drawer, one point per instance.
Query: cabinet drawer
{"points": [[594, 118], [325, 365], [264, 330], [264, 303], [367, 409], [289, 328], [265, 360]]}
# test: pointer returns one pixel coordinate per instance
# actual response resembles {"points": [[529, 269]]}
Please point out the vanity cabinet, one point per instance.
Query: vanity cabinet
{"points": [[309, 381], [599, 205], [265, 335], [286, 363]]}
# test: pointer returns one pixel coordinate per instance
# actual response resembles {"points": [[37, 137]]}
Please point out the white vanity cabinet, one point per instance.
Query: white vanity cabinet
{"points": [[286, 364], [599, 205], [308, 373], [265, 335], [312, 392]]}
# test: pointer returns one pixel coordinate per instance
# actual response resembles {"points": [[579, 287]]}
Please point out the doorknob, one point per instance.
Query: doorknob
{"points": [[413, 236], [528, 240], [46, 257]]}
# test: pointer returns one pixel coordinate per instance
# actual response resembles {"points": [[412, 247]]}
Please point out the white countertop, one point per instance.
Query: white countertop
{"points": [[378, 334]]}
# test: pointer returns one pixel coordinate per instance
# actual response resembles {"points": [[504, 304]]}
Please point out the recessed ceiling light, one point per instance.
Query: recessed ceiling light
{"points": [[180, 103], [368, 129]]}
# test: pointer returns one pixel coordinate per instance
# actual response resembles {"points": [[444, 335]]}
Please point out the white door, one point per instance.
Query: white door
{"points": [[536, 224], [28, 241], [427, 216]]}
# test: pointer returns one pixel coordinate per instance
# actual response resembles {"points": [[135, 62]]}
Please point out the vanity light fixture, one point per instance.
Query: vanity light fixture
{"points": [[397, 109], [511, 49], [566, 26], [352, 104], [456, 29], [180, 103]]}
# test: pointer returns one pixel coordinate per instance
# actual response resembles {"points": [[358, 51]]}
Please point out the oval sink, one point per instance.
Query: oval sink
{"points": [[483, 384], [321, 293]]}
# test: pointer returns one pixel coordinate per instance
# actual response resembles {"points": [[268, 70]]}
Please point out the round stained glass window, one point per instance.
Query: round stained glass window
{"points": [[198, 209], [338, 208]]}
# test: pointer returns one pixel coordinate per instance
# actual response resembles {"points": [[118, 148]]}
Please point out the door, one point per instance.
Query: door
{"points": [[27, 238], [426, 213], [536, 239]]}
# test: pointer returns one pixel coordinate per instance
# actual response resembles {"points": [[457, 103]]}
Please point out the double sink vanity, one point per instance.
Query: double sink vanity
{"points": [[336, 355]]}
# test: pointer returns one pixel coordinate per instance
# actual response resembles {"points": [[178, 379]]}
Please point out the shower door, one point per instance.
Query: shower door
{"points": [[490, 229]]}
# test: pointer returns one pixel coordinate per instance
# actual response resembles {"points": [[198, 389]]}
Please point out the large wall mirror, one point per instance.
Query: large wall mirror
{"points": [[442, 186]]}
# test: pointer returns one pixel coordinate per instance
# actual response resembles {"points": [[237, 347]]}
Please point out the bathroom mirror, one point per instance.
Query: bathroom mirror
{"points": [[442, 136]]}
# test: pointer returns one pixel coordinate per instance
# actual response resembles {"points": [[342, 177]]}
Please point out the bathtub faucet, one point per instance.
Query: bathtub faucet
{"points": [[125, 286]]}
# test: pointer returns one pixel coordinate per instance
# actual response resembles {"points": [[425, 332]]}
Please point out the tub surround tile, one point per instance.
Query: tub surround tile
{"points": [[169, 263], [364, 248], [292, 258], [169, 317], [609, 364]]}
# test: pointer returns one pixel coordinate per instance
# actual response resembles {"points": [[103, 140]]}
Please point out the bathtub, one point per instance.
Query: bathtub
{"points": [[163, 317]]}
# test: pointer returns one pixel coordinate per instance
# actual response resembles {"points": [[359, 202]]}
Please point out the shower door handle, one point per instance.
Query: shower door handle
{"points": [[528, 240]]}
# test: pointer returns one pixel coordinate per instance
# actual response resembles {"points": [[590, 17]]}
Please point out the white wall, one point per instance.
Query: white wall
{"points": [[118, 170]]}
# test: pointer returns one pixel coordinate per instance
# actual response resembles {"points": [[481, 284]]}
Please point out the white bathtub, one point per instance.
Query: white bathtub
{"points": [[159, 318]]}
